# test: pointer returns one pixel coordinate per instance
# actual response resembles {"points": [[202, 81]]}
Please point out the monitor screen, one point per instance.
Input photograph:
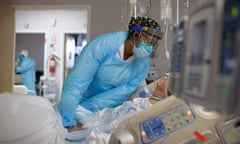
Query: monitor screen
{"points": [[198, 42]]}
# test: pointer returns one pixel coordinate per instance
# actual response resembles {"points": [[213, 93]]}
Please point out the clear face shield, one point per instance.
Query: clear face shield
{"points": [[152, 40]]}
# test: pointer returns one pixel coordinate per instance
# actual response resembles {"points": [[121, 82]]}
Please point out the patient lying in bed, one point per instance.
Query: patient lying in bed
{"points": [[103, 122]]}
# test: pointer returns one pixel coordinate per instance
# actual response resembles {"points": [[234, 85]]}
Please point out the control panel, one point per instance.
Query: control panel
{"points": [[165, 123]]}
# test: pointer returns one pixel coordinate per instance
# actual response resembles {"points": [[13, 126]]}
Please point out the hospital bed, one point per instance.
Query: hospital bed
{"points": [[33, 119], [29, 120]]}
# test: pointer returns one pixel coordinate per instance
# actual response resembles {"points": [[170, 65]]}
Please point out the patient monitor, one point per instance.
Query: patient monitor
{"points": [[211, 55]]}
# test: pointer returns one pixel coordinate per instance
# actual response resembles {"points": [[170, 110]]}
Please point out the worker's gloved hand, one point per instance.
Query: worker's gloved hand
{"points": [[75, 128]]}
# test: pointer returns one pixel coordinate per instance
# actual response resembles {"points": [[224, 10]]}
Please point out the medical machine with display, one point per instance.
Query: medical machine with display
{"points": [[205, 80], [211, 57]]}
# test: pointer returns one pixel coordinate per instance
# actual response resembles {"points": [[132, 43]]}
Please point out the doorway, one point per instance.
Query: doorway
{"points": [[34, 44]]}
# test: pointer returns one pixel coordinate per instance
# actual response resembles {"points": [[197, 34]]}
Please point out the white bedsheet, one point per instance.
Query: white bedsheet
{"points": [[100, 124]]}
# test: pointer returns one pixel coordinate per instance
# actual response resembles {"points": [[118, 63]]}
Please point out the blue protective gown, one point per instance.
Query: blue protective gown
{"points": [[27, 69], [99, 79]]}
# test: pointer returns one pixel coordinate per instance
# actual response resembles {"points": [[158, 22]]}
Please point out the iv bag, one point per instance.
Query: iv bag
{"points": [[165, 9], [139, 8], [143, 7], [133, 8]]}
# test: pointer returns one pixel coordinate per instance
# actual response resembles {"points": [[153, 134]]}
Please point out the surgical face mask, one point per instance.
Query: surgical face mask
{"points": [[151, 40], [142, 50], [20, 58]]}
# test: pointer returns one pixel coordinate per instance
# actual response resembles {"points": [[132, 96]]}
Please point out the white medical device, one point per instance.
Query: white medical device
{"points": [[211, 60], [170, 121]]}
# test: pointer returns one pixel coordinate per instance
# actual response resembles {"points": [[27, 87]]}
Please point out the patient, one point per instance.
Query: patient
{"points": [[98, 119], [162, 89]]}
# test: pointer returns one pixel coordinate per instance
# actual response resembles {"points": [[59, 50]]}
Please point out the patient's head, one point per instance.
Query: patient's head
{"points": [[162, 87]]}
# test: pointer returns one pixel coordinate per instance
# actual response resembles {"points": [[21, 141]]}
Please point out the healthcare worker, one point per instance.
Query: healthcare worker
{"points": [[26, 66], [109, 70]]}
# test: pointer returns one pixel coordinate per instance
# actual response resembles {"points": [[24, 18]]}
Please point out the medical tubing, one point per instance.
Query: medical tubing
{"points": [[166, 87], [165, 42], [177, 12]]}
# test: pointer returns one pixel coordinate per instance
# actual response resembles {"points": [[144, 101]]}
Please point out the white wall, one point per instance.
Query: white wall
{"points": [[54, 22]]}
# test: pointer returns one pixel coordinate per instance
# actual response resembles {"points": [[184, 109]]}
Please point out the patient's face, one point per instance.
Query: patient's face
{"points": [[162, 87]]}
